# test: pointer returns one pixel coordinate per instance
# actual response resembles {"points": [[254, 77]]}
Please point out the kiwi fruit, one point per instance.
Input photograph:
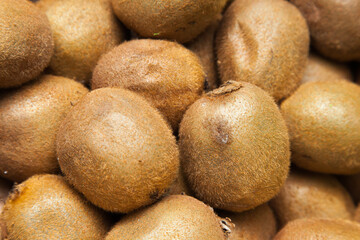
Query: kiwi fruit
{"points": [[83, 30], [321, 69], [167, 19], [352, 184], [234, 147], [44, 207], [319, 229], [312, 195], [26, 43], [175, 217], [334, 27], [323, 119], [264, 42], [256, 224], [167, 74], [117, 150], [30, 117]]}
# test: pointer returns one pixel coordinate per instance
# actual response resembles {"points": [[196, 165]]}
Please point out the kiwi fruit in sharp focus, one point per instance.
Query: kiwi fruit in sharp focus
{"points": [[83, 30], [312, 195], [352, 184], [167, 74], [256, 224], [323, 119], [168, 19], [117, 150], [319, 229], [45, 207], [26, 43], [334, 27], [321, 69], [175, 217], [29, 120], [264, 42], [234, 147]]}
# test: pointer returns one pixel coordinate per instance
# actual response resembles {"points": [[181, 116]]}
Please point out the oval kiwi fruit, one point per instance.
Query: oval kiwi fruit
{"points": [[266, 49], [29, 120], [234, 147], [45, 207], [319, 229], [26, 43], [167, 74], [167, 19], [352, 184], [175, 217], [117, 150], [83, 30], [312, 195], [323, 119], [334, 26]]}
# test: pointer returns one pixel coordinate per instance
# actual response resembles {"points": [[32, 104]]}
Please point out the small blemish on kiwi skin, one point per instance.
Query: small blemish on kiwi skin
{"points": [[226, 88]]}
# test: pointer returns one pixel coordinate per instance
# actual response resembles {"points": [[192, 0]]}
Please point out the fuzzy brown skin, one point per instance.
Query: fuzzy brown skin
{"points": [[234, 147], [264, 42], [45, 207], [180, 186], [175, 217], [321, 69], [29, 120], [26, 43], [180, 20], [334, 26], [352, 184], [312, 195], [117, 150], [323, 119], [256, 224], [320, 229], [168, 75], [83, 30]]}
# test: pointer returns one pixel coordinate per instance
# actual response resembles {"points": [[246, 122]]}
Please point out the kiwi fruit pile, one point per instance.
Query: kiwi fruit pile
{"points": [[179, 119]]}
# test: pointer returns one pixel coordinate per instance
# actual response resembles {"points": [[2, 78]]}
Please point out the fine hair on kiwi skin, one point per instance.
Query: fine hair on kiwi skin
{"points": [[30, 117], [234, 126], [175, 217], [83, 30], [46, 207], [321, 116], [271, 58], [22, 60], [167, 74], [117, 150]]}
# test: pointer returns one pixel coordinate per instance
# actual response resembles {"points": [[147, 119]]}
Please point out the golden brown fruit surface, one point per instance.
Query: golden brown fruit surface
{"points": [[168, 75], [264, 42], [30, 117], [45, 207], [323, 119], [26, 43], [83, 30], [175, 217], [312, 195], [117, 150], [234, 147]]}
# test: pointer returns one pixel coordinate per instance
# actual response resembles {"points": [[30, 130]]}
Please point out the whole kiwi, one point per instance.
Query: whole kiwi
{"points": [[83, 30], [322, 69], [26, 43], [319, 229], [256, 224], [167, 74], [312, 195], [234, 147], [264, 42], [29, 120], [323, 119], [334, 27], [352, 184], [44, 207], [167, 19], [175, 217], [117, 150]]}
